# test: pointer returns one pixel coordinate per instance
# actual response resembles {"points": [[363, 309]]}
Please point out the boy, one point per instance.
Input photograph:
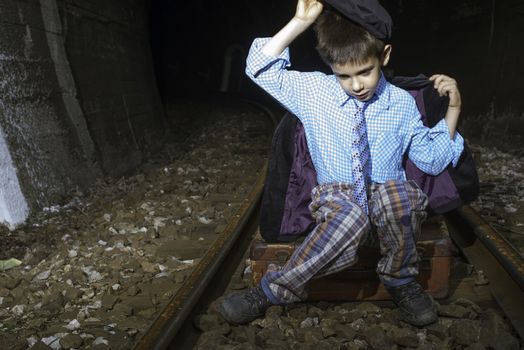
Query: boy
{"points": [[358, 128]]}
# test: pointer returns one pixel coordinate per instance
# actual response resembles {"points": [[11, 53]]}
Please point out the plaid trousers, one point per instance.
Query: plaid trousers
{"points": [[396, 212]]}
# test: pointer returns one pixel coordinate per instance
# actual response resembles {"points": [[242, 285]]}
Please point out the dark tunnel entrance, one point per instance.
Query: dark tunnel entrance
{"points": [[469, 40], [200, 47]]}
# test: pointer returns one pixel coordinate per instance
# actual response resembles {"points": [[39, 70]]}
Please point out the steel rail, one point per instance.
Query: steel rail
{"points": [[173, 327], [470, 232], [489, 251], [164, 331], [480, 243]]}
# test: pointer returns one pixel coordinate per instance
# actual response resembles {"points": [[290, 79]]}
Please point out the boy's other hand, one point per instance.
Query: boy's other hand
{"points": [[308, 10], [447, 86]]}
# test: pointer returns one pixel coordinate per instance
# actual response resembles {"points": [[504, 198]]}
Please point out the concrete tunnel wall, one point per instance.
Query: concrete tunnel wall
{"points": [[78, 98]]}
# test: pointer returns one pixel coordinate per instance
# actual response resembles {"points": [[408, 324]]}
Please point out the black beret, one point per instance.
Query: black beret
{"points": [[367, 13]]}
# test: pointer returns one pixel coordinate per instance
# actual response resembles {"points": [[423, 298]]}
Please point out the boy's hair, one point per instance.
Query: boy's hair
{"points": [[341, 41]]}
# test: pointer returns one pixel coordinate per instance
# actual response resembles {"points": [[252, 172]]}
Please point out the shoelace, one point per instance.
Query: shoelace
{"points": [[409, 291], [256, 297]]}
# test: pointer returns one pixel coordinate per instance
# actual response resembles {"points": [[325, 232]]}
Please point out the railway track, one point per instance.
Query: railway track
{"points": [[495, 278], [173, 328]]}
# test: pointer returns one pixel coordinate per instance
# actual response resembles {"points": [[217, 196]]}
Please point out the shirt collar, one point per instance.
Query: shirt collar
{"points": [[381, 96]]}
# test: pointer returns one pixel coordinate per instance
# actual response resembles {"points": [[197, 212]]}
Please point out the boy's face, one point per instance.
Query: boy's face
{"points": [[361, 80]]}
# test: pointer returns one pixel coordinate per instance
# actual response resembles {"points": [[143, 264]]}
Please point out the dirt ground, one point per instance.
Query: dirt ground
{"points": [[95, 270], [501, 199]]}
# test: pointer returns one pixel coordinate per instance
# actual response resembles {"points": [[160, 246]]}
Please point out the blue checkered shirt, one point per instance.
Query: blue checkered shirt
{"points": [[393, 122]]}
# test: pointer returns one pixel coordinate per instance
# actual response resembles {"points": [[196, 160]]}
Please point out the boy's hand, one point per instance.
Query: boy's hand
{"points": [[308, 10], [447, 86]]}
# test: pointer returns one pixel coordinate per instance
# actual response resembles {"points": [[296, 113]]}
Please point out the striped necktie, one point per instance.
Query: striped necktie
{"points": [[360, 162]]}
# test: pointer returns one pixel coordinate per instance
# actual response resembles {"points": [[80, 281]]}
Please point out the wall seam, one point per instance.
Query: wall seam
{"points": [[56, 43]]}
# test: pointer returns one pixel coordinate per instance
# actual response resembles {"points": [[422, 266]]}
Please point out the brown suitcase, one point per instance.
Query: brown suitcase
{"points": [[360, 282]]}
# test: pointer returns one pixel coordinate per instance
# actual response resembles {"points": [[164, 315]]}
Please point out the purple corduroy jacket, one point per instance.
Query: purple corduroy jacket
{"points": [[291, 175]]}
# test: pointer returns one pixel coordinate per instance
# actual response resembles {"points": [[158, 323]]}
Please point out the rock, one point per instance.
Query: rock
{"points": [[314, 311], [163, 285], [53, 302], [476, 346], [404, 337], [328, 328], [40, 346], [390, 317], [274, 310], [309, 322], [119, 340], [8, 282], [76, 275], [71, 341], [300, 334], [377, 338], [501, 341], [180, 276], [357, 344], [452, 310], [244, 346], [72, 294], [321, 345], [132, 332], [11, 342], [52, 329], [122, 309], [35, 323], [183, 249], [468, 304], [268, 333], [109, 301], [72, 325], [345, 331], [139, 302], [100, 341], [366, 308], [297, 311], [492, 324], [208, 322], [313, 335], [42, 276], [19, 295], [19, 310], [133, 290], [358, 324], [438, 330], [426, 346], [243, 335], [465, 332], [333, 315], [147, 313], [6, 302], [352, 316], [275, 344], [149, 267]]}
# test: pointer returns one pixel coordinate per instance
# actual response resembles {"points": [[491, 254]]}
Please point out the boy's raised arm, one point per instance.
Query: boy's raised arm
{"points": [[306, 13], [448, 86]]}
